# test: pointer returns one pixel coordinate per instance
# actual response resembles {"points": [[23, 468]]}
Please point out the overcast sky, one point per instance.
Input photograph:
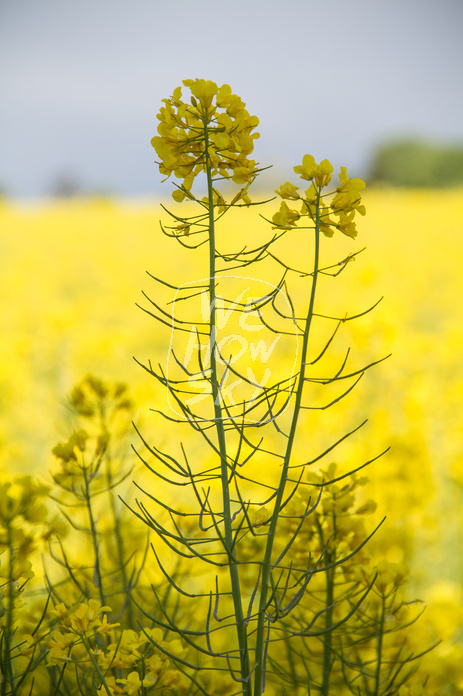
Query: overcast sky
{"points": [[81, 80]]}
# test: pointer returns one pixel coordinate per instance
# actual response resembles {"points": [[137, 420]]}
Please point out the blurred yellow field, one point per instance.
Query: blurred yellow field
{"points": [[72, 272]]}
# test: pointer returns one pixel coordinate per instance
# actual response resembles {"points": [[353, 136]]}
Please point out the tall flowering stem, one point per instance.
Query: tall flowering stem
{"points": [[267, 563], [213, 135], [227, 514], [209, 140]]}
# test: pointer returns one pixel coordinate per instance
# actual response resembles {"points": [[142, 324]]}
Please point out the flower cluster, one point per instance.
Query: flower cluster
{"points": [[135, 653], [70, 455], [13, 579], [339, 516], [94, 397], [22, 498], [213, 130], [133, 656], [24, 523], [106, 409], [345, 203], [75, 624], [390, 576], [83, 617]]}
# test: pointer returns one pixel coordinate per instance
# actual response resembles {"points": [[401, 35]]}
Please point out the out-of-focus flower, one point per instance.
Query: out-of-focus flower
{"points": [[83, 617], [390, 576]]}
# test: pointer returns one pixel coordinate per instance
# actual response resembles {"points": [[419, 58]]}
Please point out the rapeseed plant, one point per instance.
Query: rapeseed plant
{"points": [[256, 598], [94, 569]]}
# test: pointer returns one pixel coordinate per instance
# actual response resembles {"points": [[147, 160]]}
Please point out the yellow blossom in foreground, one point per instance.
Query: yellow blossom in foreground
{"points": [[310, 170], [288, 191], [203, 90], [213, 131], [285, 218], [345, 203]]}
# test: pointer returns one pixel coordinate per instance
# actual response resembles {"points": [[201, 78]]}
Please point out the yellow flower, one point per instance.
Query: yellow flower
{"points": [[214, 131], [311, 171], [390, 575], [367, 508], [170, 677], [83, 617], [241, 175], [66, 450], [288, 191], [285, 218], [22, 571], [22, 498], [242, 195], [133, 684], [87, 616], [114, 689], [345, 203], [348, 197], [260, 516], [64, 647], [178, 195], [203, 90], [105, 627], [346, 223]]}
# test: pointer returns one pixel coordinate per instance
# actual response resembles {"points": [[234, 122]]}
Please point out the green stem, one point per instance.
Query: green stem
{"points": [[227, 517], [94, 535], [327, 647], [379, 645], [267, 564], [95, 664], [7, 665], [119, 538]]}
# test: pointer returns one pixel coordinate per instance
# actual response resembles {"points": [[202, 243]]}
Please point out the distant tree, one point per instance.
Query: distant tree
{"points": [[417, 163]]}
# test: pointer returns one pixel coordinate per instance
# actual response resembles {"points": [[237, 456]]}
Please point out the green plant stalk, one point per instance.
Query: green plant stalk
{"points": [[267, 564], [327, 643], [94, 535], [116, 517], [54, 684], [95, 664], [119, 538], [379, 645], [6, 660], [227, 517]]}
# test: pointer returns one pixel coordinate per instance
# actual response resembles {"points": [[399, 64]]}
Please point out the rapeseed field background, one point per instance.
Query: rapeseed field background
{"points": [[71, 274]]}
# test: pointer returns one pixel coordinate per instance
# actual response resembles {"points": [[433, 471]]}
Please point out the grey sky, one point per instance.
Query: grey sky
{"points": [[81, 81]]}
